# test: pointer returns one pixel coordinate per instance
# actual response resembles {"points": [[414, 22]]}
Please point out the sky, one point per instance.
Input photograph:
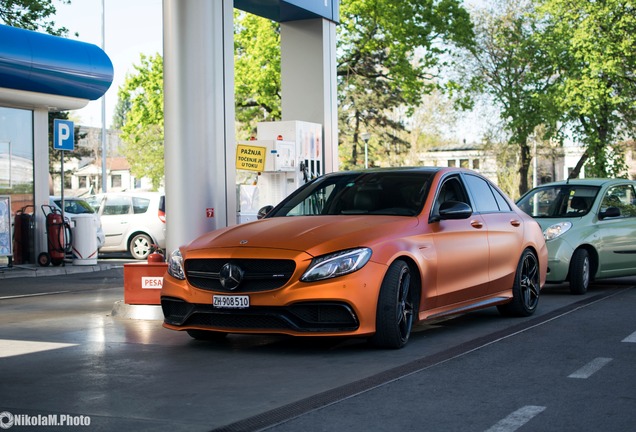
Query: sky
{"points": [[133, 27]]}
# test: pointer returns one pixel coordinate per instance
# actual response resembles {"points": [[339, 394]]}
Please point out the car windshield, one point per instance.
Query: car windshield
{"points": [[74, 206], [373, 193], [556, 201]]}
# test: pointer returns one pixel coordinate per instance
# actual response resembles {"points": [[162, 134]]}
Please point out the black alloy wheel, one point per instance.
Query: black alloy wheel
{"points": [[394, 316], [526, 288]]}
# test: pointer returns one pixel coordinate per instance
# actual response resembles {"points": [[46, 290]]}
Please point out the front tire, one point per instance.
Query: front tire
{"points": [[526, 287], [140, 246], [394, 316], [580, 272]]}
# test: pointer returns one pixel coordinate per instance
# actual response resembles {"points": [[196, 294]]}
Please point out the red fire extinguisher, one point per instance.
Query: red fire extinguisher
{"points": [[156, 256], [58, 236]]}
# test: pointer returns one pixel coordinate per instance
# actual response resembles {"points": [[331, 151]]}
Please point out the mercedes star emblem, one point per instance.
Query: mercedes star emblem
{"points": [[230, 276]]}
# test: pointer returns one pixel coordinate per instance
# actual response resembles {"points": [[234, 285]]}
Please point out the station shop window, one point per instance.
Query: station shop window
{"points": [[16, 156]]}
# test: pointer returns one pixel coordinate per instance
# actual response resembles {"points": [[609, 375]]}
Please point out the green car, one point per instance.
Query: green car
{"points": [[589, 226]]}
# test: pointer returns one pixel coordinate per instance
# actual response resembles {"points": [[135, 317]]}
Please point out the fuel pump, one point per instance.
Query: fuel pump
{"points": [[284, 156]]}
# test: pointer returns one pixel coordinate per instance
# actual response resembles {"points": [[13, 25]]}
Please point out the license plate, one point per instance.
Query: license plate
{"points": [[231, 302]]}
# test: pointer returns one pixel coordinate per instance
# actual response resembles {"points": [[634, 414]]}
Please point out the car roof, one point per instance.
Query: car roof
{"points": [[423, 169], [588, 182]]}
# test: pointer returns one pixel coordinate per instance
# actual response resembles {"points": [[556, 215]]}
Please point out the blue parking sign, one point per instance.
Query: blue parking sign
{"points": [[63, 135]]}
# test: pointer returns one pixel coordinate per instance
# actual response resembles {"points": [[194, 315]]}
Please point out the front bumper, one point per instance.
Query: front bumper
{"points": [[344, 306], [302, 317], [559, 257]]}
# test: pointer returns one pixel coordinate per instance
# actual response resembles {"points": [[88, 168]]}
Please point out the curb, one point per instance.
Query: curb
{"points": [[31, 270]]}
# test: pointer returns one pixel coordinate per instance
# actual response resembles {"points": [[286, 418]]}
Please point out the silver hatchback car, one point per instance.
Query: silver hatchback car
{"points": [[132, 221]]}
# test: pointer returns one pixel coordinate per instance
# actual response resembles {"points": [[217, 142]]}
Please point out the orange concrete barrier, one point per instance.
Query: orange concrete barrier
{"points": [[143, 282]]}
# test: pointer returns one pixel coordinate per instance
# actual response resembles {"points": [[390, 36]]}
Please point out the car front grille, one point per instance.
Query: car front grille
{"points": [[300, 317], [258, 274]]}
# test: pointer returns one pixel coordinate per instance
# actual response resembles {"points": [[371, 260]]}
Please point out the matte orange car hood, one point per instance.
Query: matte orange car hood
{"points": [[315, 235]]}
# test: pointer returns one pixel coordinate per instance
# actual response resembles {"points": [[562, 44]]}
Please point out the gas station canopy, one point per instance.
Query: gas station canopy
{"points": [[291, 10], [41, 64]]}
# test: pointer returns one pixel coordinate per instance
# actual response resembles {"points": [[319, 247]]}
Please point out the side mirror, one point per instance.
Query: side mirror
{"points": [[609, 212], [263, 211], [454, 210]]}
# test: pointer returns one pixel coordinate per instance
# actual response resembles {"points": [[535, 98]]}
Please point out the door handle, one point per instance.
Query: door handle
{"points": [[515, 222], [476, 224]]}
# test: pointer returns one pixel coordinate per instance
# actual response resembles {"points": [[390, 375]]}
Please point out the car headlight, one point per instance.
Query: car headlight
{"points": [[175, 265], [556, 230], [336, 264]]}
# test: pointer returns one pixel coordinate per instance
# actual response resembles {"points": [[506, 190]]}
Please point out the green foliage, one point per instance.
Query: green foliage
{"points": [[389, 54], [31, 15], [142, 128], [594, 44], [511, 66], [256, 71], [121, 111]]}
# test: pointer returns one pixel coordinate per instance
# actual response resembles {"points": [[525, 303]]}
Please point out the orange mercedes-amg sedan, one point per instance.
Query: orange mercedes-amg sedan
{"points": [[361, 253]]}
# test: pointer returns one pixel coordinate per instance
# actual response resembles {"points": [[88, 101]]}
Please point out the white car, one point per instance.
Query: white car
{"points": [[133, 222], [75, 206]]}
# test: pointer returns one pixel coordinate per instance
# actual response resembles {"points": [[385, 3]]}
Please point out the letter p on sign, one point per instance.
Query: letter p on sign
{"points": [[63, 135]]}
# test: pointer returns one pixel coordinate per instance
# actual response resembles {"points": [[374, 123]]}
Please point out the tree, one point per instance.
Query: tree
{"points": [[256, 71], [388, 56], [142, 129], [508, 63], [120, 112], [31, 15], [594, 45], [430, 125]]}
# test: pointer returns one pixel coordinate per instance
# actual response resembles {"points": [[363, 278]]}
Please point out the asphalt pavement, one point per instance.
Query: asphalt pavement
{"points": [[63, 355]]}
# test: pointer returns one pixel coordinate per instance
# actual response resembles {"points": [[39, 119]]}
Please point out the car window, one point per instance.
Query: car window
{"points": [[140, 205], [622, 197], [314, 203], [75, 206], [484, 196], [504, 205], [450, 190], [557, 201], [94, 202], [401, 194], [116, 205]]}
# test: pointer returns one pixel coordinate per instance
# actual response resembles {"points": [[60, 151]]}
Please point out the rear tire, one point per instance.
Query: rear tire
{"points": [[580, 272], [140, 246], [526, 287], [394, 316]]}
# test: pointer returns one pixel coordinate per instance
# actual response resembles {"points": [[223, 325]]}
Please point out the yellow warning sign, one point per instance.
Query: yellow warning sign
{"points": [[250, 158]]}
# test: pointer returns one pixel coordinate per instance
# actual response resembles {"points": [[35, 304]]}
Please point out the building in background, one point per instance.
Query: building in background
{"points": [[84, 176]]}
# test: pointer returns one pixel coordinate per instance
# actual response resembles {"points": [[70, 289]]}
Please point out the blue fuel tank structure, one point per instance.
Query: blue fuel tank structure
{"points": [[42, 63]]}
